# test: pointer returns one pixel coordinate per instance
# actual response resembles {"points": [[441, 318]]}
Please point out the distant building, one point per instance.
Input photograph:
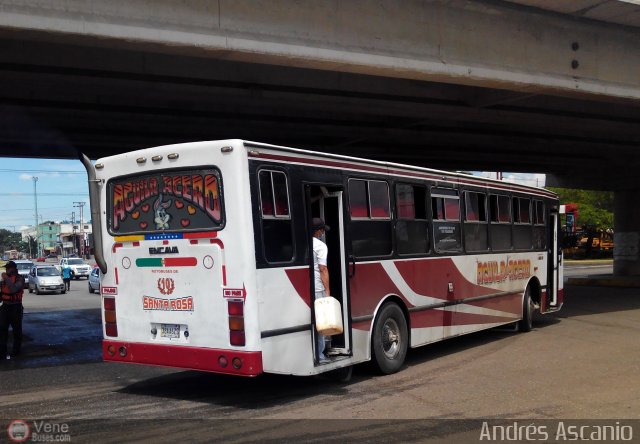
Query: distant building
{"points": [[60, 238], [73, 237]]}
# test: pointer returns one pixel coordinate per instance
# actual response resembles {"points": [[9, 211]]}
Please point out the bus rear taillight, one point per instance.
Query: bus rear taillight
{"points": [[237, 338], [235, 309], [110, 321]]}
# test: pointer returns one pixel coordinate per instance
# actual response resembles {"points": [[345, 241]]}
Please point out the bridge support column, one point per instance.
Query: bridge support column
{"points": [[626, 217]]}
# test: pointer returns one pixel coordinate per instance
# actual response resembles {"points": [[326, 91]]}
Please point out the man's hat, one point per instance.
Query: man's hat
{"points": [[10, 264], [318, 224]]}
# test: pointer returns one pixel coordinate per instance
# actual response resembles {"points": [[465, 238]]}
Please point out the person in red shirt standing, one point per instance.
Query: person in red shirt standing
{"points": [[11, 310]]}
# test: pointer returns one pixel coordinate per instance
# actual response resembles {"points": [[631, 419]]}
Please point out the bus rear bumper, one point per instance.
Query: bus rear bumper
{"points": [[231, 362]]}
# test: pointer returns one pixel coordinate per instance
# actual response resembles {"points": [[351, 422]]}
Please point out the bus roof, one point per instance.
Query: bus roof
{"points": [[395, 168], [375, 166]]}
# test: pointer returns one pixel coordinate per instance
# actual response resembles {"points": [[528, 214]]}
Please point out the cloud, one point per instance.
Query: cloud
{"points": [[531, 179], [25, 176], [534, 180]]}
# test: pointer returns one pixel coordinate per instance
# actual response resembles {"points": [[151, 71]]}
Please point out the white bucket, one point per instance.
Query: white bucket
{"points": [[328, 316]]}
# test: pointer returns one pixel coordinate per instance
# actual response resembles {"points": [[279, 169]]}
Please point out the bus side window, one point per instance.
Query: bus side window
{"points": [[277, 233], [539, 225], [475, 225], [500, 216], [412, 227], [370, 211], [522, 235], [445, 208]]}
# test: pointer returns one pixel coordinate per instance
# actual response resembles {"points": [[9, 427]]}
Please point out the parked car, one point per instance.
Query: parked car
{"points": [[78, 266], [24, 267], [45, 278], [94, 280]]}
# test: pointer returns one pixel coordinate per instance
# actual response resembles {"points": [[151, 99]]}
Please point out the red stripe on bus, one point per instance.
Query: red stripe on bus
{"points": [[180, 261], [560, 297], [224, 275], [441, 318], [180, 356], [509, 303], [427, 318], [300, 279], [439, 272], [116, 272], [116, 246], [370, 284], [362, 325], [459, 318], [202, 235], [218, 242]]}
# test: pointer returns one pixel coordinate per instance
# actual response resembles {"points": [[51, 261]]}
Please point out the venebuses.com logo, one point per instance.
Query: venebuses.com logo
{"points": [[20, 430]]}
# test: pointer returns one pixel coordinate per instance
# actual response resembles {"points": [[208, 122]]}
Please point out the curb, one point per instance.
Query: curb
{"points": [[588, 262], [622, 282]]}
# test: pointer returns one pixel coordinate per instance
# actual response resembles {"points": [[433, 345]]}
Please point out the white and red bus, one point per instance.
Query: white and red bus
{"points": [[204, 251]]}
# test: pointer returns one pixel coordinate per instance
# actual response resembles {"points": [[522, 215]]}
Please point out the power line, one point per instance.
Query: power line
{"points": [[45, 194], [9, 170], [31, 209]]}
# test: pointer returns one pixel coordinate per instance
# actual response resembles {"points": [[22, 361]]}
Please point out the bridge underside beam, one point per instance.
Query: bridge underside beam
{"points": [[626, 255], [482, 43], [446, 84]]}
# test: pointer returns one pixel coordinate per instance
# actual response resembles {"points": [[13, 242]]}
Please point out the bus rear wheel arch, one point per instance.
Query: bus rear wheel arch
{"points": [[528, 308], [390, 338]]}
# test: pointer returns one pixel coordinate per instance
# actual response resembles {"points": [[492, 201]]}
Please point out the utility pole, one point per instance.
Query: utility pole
{"points": [[35, 204], [81, 206], [73, 230]]}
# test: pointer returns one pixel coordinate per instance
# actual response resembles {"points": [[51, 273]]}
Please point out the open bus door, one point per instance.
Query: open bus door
{"points": [[553, 302], [327, 202]]}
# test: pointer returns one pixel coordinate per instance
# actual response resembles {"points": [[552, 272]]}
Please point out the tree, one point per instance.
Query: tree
{"points": [[28, 246], [595, 208], [9, 240]]}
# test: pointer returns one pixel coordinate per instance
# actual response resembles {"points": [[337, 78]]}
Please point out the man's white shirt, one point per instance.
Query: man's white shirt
{"points": [[320, 252]]}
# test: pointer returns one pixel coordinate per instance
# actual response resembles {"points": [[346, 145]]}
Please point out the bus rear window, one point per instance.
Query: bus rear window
{"points": [[187, 200]]}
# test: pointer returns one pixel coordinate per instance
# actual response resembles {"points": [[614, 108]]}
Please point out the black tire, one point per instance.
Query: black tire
{"points": [[30, 290], [90, 288], [38, 291], [526, 323], [390, 339]]}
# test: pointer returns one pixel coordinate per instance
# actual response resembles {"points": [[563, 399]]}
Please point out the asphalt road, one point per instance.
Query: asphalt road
{"points": [[582, 363], [587, 268]]}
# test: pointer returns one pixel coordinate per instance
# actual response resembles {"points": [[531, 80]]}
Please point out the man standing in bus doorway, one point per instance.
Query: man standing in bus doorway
{"points": [[321, 273], [11, 311]]}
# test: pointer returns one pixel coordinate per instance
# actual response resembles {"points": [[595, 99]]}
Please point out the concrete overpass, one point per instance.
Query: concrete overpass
{"points": [[523, 85]]}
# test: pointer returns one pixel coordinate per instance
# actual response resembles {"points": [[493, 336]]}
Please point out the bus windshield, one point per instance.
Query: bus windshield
{"points": [[184, 200]]}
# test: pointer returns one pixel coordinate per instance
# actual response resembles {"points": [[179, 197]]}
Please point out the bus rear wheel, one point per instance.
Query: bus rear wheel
{"points": [[390, 339], [528, 307]]}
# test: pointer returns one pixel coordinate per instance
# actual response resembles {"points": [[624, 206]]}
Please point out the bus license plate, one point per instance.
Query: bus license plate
{"points": [[170, 330]]}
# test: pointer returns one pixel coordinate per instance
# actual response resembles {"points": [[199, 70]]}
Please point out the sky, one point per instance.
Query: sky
{"points": [[63, 182], [533, 179], [60, 184]]}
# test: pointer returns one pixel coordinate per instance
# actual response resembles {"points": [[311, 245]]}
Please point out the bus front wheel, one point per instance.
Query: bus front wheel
{"points": [[528, 307], [390, 339]]}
